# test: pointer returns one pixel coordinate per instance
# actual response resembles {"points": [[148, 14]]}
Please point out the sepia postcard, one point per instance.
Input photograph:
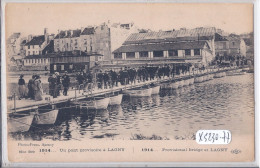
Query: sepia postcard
{"points": [[128, 82]]}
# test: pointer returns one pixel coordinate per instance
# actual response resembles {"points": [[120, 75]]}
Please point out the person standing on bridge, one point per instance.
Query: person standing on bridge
{"points": [[21, 87], [38, 88], [66, 83], [30, 87], [52, 84]]}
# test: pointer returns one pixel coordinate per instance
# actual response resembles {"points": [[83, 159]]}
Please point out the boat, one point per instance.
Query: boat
{"points": [[191, 81], [46, 118], [186, 82], [218, 75], [116, 99], [246, 69], [97, 103], [19, 123], [142, 92], [181, 83], [175, 85], [235, 73], [156, 90]]}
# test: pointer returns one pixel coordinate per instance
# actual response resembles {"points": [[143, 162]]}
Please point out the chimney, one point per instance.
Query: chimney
{"points": [[66, 32], [46, 35], [82, 29], [29, 37]]}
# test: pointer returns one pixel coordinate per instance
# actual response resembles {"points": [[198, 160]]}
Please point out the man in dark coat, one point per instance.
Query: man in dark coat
{"points": [[66, 83], [30, 87], [80, 79], [53, 86]]}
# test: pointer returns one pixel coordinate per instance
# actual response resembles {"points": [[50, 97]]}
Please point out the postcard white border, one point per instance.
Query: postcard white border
{"points": [[6, 163]]}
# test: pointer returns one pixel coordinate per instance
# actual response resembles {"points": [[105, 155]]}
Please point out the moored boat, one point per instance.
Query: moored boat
{"points": [[46, 118], [186, 82], [115, 99], [181, 83], [20, 123], [191, 81], [235, 73], [156, 89], [142, 92], [175, 85], [97, 103]]}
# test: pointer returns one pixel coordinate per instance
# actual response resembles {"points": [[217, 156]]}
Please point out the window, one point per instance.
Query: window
{"points": [[143, 54], [54, 67], [28, 47], [196, 51], [33, 46], [158, 54], [71, 66], [187, 52], [117, 55], [62, 67], [28, 52], [33, 52], [173, 53], [130, 55]]}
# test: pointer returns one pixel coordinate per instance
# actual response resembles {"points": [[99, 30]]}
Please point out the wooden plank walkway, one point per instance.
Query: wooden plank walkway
{"points": [[25, 104]]}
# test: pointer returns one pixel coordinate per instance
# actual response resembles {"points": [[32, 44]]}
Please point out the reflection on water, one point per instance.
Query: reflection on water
{"points": [[223, 103]]}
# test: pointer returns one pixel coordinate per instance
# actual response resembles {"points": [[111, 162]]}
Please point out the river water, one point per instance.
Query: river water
{"points": [[223, 103]]}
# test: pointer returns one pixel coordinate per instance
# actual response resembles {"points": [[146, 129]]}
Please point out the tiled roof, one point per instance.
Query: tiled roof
{"points": [[39, 56], [162, 35], [62, 34], [15, 35], [49, 48], [37, 40], [23, 42], [76, 33], [88, 31], [162, 46], [218, 37]]}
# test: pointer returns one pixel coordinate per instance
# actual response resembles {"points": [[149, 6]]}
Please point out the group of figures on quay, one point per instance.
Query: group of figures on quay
{"points": [[102, 80]]}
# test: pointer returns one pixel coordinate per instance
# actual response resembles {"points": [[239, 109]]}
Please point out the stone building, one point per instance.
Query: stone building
{"points": [[102, 39], [36, 44], [195, 44], [237, 45]]}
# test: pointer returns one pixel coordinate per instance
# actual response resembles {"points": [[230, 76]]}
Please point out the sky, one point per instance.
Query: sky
{"points": [[29, 18]]}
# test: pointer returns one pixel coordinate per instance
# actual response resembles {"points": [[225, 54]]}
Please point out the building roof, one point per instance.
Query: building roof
{"points": [[163, 46], [163, 35], [218, 37], [37, 40], [49, 48], [88, 31], [233, 37], [63, 54], [13, 36], [68, 34], [249, 41]]}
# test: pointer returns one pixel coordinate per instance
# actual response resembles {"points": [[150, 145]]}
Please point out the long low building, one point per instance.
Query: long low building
{"points": [[184, 44], [191, 50]]}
